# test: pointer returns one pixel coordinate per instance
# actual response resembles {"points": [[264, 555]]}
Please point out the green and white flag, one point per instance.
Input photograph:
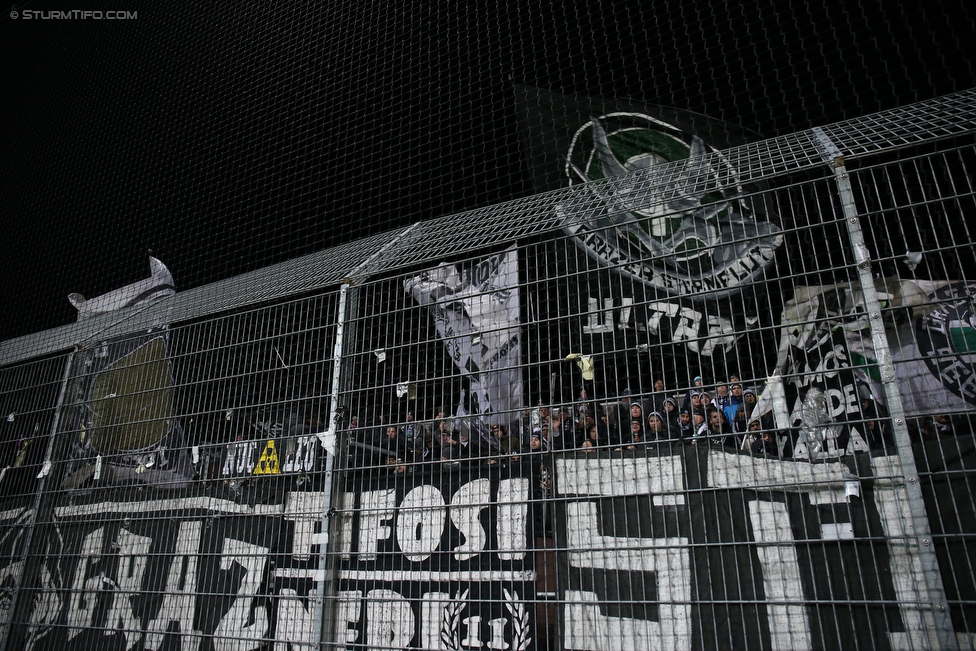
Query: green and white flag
{"points": [[931, 331]]}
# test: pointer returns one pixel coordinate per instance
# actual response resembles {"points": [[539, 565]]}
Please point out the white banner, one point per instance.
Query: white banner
{"points": [[476, 312]]}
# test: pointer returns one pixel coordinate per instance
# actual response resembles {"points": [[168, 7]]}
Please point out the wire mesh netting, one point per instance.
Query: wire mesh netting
{"points": [[701, 398], [225, 139], [585, 325]]}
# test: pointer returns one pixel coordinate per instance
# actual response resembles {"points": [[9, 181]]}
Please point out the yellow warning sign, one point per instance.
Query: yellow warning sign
{"points": [[268, 463]]}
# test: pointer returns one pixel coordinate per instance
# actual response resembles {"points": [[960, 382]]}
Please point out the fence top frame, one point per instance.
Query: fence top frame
{"points": [[433, 240]]}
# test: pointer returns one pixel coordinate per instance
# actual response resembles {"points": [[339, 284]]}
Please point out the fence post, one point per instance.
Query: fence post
{"points": [[324, 577], [344, 340], [924, 550], [45, 471]]}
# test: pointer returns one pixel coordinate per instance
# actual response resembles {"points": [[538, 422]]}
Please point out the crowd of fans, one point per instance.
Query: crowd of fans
{"points": [[723, 414]]}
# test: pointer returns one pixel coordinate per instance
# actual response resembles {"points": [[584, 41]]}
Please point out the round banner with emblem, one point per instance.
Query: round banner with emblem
{"points": [[692, 233]]}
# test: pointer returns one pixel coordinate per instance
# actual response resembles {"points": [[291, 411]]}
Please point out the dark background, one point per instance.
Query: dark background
{"points": [[229, 136]]}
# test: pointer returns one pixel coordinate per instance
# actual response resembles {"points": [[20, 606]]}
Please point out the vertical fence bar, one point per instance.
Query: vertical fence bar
{"points": [[45, 471], [323, 619], [348, 301], [342, 383], [924, 551]]}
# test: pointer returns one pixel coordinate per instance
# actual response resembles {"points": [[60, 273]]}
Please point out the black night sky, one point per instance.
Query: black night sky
{"points": [[227, 136]]}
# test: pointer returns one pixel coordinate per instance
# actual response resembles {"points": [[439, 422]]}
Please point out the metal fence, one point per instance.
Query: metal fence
{"points": [[720, 403]]}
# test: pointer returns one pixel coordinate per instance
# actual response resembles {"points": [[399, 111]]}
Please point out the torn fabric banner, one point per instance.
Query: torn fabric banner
{"points": [[159, 284], [124, 424]]}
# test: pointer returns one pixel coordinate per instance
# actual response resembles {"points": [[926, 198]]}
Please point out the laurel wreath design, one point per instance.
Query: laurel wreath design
{"points": [[520, 620], [450, 634], [452, 619]]}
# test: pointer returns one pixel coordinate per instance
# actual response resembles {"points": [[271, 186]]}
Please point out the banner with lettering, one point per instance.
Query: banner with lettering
{"points": [[266, 446], [132, 569], [696, 547], [826, 345], [664, 267], [823, 373], [438, 561]]}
